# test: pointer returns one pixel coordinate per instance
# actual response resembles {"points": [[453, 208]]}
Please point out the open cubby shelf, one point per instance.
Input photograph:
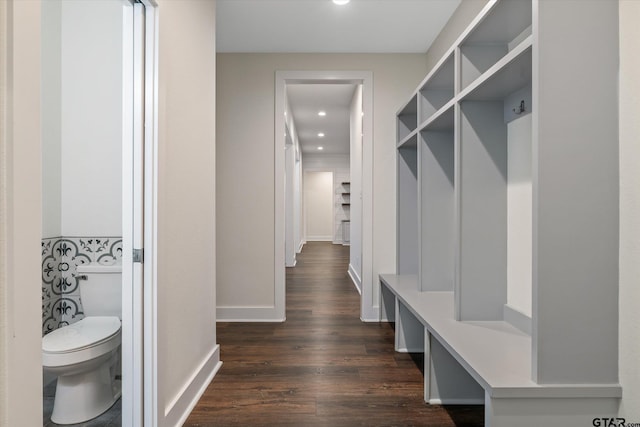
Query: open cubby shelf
{"points": [[407, 119], [499, 158]]}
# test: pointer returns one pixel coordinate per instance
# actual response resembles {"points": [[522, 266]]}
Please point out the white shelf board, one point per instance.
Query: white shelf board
{"points": [[496, 354], [410, 140], [441, 120], [410, 108], [443, 76], [501, 23], [509, 74], [434, 74]]}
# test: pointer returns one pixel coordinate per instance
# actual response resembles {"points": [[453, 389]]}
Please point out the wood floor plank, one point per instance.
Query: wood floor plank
{"points": [[323, 366]]}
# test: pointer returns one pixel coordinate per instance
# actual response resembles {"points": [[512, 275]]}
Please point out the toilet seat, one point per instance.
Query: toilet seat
{"points": [[88, 332], [82, 341]]}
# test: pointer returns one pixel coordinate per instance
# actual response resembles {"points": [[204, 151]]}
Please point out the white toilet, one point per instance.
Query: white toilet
{"points": [[85, 355]]}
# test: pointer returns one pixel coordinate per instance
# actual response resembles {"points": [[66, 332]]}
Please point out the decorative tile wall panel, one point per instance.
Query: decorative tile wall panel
{"points": [[61, 256]]}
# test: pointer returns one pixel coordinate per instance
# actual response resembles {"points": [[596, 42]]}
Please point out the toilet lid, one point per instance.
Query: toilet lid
{"points": [[85, 333]]}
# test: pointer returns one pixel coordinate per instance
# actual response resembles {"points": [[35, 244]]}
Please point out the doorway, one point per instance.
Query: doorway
{"points": [[318, 206], [361, 178], [94, 90]]}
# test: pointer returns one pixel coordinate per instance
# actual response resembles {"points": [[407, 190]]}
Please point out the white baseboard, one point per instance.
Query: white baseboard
{"points": [[517, 318], [456, 402], [301, 246], [410, 350], [248, 314], [179, 408], [319, 239], [355, 278]]}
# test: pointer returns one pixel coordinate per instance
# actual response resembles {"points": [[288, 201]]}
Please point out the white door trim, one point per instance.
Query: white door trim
{"points": [[150, 320], [134, 166], [368, 312], [129, 162]]}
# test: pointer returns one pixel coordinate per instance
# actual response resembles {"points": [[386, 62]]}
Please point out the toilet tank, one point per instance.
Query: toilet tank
{"points": [[100, 289]]}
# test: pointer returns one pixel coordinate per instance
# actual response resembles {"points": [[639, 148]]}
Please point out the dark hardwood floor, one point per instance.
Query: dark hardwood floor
{"points": [[323, 366]]}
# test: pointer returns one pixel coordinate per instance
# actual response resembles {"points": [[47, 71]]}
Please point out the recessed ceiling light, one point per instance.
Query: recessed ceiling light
{"points": [[341, 2], [320, 148], [322, 113], [321, 135]]}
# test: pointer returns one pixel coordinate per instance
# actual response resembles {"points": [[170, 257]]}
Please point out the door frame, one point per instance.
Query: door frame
{"points": [[139, 373], [368, 311], [18, 241]]}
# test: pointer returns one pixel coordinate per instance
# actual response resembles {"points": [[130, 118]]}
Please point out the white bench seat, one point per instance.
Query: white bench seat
{"points": [[495, 354]]}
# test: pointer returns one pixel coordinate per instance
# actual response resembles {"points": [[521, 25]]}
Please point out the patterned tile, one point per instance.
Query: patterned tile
{"points": [[50, 317], [113, 254], [60, 291], [69, 309], [103, 250]]}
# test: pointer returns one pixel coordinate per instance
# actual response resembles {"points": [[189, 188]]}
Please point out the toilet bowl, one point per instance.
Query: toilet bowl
{"points": [[84, 356]]}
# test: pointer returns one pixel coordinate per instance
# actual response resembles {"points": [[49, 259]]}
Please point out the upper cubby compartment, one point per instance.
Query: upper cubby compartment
{"points": [[501, 30], [438, 88], [508, 75], [407, 121]]}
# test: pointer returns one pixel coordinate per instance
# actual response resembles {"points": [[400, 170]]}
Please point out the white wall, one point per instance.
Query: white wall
{"points": [[629, 326], [339, 165], [91, 118], [246, 89], [330, 162], [20, 214], [293, 191], [290, 201], [51, 119], [519, 216], [355, 159], [318, 206], [187, 354], [82, 118], [186, 271], [298, 232]]}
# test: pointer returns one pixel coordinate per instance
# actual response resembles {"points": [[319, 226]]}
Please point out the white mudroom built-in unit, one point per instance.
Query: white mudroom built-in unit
{"points": [[507, 216]]}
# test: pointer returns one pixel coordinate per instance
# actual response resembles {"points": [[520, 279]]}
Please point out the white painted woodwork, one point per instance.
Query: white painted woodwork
{"points": [[438, 91], [355, 188], [575, 186], [518, 208], [407, 249], [629, 208], [482, 254], [409, 337], [519, 215], [496, 354], [446, 382], [437, 235]]}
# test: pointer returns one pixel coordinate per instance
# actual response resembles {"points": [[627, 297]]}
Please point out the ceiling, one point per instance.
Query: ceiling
{"points": [[319, 26], [306, 100], [312, 26]]}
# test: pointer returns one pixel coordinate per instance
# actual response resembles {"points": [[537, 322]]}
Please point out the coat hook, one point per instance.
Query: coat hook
{"points": [[520, 108]]}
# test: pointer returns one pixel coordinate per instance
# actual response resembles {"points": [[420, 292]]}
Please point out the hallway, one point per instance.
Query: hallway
{"points": [[323, 366]]}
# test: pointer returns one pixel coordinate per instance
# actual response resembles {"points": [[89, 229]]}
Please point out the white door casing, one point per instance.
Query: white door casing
{"points": [[369, 308]]}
